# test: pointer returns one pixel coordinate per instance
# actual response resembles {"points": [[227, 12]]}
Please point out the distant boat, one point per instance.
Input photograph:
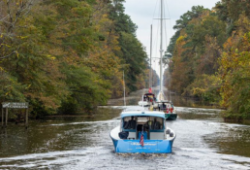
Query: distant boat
{"points": [[142, 132], [168, 108], [148, 100]]}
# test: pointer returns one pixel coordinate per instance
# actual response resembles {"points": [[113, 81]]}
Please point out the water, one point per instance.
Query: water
{"points": [[203, 141]]}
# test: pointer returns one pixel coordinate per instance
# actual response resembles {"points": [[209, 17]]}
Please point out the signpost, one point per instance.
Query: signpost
{"points": [[14, 105]]}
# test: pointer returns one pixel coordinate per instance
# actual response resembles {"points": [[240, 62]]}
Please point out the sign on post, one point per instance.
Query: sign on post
{"points": [[15, 105]]}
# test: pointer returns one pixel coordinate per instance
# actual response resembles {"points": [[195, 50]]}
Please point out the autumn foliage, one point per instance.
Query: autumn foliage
{"points": [[67, 56], [210, 56]]}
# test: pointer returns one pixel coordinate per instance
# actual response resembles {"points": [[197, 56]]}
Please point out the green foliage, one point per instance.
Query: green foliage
{"points": [[173, 40], [132, 53], [10, 88], [88, 93], [130, 48], [235, 72], [206, 87], [196, 49]]}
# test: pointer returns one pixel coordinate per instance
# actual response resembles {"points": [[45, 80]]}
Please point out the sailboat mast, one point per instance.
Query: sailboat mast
{"points": [[161, 49], [150, 69]]}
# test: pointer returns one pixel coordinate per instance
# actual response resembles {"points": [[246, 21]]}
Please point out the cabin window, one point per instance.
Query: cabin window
{"points": [[129, 122], [143, 123], [154, 123]]}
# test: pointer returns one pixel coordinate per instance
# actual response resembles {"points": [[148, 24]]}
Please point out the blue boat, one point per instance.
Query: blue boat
{"points": [[142, 132]]}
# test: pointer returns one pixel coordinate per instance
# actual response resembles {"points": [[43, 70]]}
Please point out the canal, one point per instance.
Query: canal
{"points": [[203, 141]]}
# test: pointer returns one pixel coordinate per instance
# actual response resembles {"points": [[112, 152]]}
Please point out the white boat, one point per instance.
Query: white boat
{"points": [[168, 108], [142, 132], [148, 99]]}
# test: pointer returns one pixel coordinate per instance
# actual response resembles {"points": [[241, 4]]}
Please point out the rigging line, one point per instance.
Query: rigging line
{"points": [[169, 18], [154, 13], [157, 38], [167, 68], [155, 44], [167, 8], [165, 27]]}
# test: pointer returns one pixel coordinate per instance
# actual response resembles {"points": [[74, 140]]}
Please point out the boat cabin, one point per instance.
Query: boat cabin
{"points": [[151, 125], [149, 97]]}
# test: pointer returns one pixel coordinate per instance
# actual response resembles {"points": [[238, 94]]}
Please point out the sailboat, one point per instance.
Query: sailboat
{"points": [[142, 131], [149, 98], [162, 104]]}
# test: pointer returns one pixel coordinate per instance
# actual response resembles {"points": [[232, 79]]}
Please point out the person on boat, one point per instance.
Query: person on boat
{"points": [[171, 109], [131, 123], [163, 106], [150, 98], [149, 124], [159, 107], [125, 124], [156, 124]]}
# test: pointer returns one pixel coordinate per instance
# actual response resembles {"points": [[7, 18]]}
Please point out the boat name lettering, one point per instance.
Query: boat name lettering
{"points": [[145, 144]]}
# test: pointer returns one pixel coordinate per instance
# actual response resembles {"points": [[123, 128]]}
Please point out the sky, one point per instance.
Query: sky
{"points": [[145, 13]]}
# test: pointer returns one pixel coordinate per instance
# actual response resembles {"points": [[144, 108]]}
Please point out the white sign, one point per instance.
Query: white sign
{"points": [[15, 105]]}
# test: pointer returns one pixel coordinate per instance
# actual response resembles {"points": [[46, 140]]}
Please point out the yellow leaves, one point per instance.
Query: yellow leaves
{"points": [[50, 57], [27, 87], [180, 39], [234, 67], [6, 45], [2, 69], [22, 37]]}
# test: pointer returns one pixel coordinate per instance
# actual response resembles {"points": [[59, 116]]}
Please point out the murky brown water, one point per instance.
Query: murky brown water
{"points": [[203, 141]]}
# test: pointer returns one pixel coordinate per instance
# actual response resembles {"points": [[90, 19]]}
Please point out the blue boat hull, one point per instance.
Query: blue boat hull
{"points": [[150, 146]]}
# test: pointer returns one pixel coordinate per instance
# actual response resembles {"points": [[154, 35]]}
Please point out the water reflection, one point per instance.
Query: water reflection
{"points": [[199, 113], [231, 139], [52, 135]]}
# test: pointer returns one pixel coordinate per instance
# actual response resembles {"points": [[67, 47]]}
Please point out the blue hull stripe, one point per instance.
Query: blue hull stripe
{"points": [[150, 146]]}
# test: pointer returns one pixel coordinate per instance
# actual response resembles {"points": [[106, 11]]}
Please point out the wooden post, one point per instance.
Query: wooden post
{"points": [[2, 117], [6, 117], [27, 114]]}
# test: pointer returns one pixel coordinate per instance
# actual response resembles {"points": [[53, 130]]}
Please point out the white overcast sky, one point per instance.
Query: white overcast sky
{"points": [[145, 12]]}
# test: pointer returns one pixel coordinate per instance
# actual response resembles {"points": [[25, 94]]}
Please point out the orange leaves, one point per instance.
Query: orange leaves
{"points": [[235, 71]]}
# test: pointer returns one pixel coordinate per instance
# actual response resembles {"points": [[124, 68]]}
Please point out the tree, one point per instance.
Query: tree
{"points": [[235, 73]]}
